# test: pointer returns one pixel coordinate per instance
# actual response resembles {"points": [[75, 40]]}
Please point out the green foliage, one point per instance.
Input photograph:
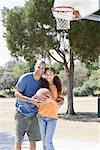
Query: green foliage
{"points": [[9, 66], [10, 74], [83, 84], [88, 88], [84, 39], [20, 68], [8, 81], [30, 31], [58, 67], [92, 65], [17, 67], [26, 32], [15, 27], [95, 75], [80, 92], [9, 92]]}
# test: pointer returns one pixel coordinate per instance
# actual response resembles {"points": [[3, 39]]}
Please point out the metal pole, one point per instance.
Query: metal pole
{"points": [[98, 106]]}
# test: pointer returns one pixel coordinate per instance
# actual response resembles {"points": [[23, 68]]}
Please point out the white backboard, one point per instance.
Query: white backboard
{"points": [[85, 7]]}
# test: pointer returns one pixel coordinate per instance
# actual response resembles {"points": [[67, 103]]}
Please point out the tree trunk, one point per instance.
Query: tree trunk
{"points": [[70, 76]]}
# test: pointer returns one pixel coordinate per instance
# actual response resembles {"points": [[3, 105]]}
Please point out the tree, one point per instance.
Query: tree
{"points": [[30, 31]]}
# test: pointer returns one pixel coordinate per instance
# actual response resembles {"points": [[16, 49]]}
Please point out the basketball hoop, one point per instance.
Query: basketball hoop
{"points": [[63, 16]]}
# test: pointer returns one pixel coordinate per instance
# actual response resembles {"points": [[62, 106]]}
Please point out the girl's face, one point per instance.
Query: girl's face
{"points": [[49, 76]]}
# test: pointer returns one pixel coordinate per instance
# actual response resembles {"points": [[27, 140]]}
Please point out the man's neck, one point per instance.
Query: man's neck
{"points": [[36, 76]]}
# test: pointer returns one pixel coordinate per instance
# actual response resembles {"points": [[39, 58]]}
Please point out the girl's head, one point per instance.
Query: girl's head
{"points": [[51, 77], [49, 74]]}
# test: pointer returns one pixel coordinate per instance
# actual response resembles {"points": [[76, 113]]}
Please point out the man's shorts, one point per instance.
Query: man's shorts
{"points": [[28, 125]]}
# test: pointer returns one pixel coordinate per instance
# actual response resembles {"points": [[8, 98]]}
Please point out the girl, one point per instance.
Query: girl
{"points": [[48, 112]]}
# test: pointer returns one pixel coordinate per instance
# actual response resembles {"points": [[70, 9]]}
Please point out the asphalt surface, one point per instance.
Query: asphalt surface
{"points": [[7, 143]]}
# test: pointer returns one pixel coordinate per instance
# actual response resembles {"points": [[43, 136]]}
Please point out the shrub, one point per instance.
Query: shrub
{"points": [[88, 88], [77, 91]]}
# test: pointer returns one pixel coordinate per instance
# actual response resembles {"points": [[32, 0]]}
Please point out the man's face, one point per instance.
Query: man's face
{"points": [[40, 68]]}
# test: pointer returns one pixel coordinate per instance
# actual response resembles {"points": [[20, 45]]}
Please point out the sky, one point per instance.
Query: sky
{"points": [[4, 52]]}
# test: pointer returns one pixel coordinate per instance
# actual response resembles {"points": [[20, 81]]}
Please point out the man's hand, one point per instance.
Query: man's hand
{"points": [[60, 101], [35, 101]]}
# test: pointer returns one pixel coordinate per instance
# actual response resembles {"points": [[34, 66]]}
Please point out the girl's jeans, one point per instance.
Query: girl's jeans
{"points": [[47, 127]]}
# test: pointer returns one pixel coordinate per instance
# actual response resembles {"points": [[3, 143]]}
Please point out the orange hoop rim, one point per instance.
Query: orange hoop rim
{"points": [[71, 9], [64, 10]]}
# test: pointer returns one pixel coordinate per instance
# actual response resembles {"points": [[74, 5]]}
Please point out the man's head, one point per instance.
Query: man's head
{"points": [[40, 67]]}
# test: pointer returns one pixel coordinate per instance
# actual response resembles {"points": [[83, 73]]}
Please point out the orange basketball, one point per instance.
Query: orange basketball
{"points": [[43, 93]]}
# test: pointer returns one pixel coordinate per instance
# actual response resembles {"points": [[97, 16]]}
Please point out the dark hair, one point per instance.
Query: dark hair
{"points": [[52, 69], [56, 81]]}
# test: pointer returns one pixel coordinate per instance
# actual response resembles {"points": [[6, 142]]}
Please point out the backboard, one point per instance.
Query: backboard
{"points": [[84, 7]]}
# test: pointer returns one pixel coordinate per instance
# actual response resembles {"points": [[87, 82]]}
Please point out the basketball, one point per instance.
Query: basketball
{"points": [[43, 93]]}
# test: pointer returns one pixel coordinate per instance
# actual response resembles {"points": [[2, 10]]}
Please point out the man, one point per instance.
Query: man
{"points": [[26, 109]]}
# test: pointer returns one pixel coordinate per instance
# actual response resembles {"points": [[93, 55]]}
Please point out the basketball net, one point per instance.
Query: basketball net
{"points": [[62, 24], [63, 16]]}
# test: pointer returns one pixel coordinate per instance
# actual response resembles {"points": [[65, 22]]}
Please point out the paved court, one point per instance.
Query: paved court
{"points": [[7, 143], [69, 135], [70, 145]]}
